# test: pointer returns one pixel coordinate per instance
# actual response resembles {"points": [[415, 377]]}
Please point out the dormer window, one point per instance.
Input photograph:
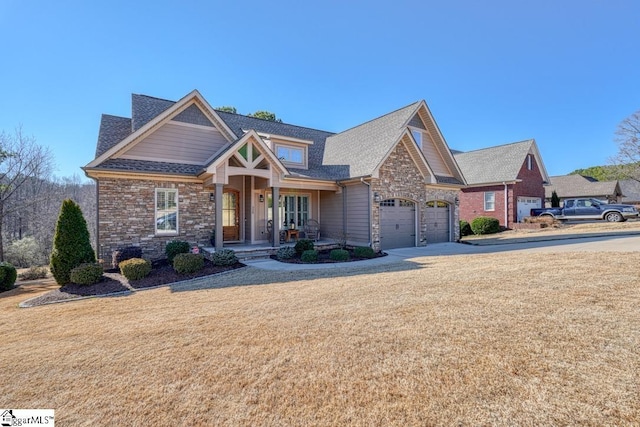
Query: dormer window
{"points": [[292, 155], [417, 135]]}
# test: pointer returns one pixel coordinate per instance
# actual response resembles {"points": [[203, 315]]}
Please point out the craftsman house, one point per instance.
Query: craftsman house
{"points": [[182, 170], [503, 182]]}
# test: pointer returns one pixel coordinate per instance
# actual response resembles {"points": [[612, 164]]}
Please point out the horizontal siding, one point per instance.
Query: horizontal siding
{"points": [[330, 214], [179, 144], [433, 157], [357, 214]]}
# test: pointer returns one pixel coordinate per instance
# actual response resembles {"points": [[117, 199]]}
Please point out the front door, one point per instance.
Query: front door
{"points": [[230, 215]]}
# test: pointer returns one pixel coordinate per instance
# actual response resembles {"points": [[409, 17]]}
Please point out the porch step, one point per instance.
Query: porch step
{"points": [[248, 255]]}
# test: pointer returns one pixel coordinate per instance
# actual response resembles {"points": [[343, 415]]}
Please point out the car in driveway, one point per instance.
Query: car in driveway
{"points": [[588, 209]]}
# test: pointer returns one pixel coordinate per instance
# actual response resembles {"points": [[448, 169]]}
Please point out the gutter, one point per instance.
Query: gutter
{"points": [[506, 205]]}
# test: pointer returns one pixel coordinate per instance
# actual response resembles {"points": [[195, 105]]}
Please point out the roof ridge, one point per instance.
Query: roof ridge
{"points": [[273, 121], [153, 97], [379, 117], [495, 146], [117, 117]]}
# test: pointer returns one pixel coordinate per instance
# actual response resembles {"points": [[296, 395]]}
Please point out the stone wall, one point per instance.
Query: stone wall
{"points": [[399, 177], [126, 215]]}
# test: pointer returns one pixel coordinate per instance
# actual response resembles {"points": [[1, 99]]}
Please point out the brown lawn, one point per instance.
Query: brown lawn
{"points": [[501, 340]]}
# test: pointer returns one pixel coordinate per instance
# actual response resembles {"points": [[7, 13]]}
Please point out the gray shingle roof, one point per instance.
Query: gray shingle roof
{"points": [[113, 129], [630, 190], [359, 150], [150, 166], [144, 108], [494, 164], [581, 186]]}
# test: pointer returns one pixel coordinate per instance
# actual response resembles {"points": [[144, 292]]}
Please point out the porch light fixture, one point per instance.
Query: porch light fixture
{"points": [[212, 197], [376, 197], [457, 201], [261, 198]]}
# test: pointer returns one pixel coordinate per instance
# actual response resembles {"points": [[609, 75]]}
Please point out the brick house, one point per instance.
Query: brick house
{"points": [[180, 170], [573, 186], [503, 182]]}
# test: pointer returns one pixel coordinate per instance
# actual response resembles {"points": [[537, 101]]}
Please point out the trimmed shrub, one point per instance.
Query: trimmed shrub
{"points": [[363, 252], [188, 263], [8, 276], [176, 247], [465, 229], [485, 225], [124, 254], [304, 245], [71, 245], [34, 273], [286, 252], [339, 255], [309, 256], [224, 257], [135, 268], [86, 274]]}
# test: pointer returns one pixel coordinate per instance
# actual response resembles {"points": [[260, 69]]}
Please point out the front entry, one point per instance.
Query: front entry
{"points": [[230, 215]]}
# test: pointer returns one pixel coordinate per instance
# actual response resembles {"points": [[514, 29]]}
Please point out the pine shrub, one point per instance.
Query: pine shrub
{"points": [[309, 256], [485, 225], [135, 268], [363, 252], [86, 274], [176, 247], [8, 276], [124, 254], [465, 229], [339, 255], [286, 252], [304, 245], [224, 257], [71, 245], [188, 263]]}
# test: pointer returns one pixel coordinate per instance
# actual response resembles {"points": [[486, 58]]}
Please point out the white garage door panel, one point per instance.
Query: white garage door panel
{"points": [[525, 204], [397, 224]]}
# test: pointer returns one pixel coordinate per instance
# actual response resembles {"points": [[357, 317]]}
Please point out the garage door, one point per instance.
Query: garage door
{"points": [[437, 213], [525, 204], [397, 223]]}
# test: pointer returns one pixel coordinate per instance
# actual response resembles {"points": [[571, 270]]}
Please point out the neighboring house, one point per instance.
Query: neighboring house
{"points": [[178, 170], [630, 191], [504, 182], [572, 186]]}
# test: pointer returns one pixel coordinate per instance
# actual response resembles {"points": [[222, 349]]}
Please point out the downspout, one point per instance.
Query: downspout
{"points": [[506, 205], [368, 206]]}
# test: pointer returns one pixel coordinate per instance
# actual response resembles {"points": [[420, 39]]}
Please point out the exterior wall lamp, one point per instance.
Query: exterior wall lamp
{"points": [[261, 198], [212, 197], [376, 197]]}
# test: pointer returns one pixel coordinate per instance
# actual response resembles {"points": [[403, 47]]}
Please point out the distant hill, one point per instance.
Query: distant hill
{"points": [[601, 173]]}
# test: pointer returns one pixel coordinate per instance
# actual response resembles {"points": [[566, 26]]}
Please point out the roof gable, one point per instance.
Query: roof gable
{"points": [[581, 186], [501, 163]]}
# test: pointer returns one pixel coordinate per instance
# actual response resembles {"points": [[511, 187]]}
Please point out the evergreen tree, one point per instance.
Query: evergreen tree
{"points": [[555, 200], [71, 245]]}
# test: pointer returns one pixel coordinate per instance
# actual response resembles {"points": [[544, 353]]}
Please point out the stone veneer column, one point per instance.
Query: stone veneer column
{"points": [[219, 235]]}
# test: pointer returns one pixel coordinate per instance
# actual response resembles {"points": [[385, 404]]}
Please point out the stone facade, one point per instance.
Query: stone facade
{"points": [[399, 177], [126, 215]]}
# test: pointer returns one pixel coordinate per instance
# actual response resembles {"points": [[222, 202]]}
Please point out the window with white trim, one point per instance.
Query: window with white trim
{"points": [[292, 208], [289, 154], [489, 201], [417, 135], [166, 215]]}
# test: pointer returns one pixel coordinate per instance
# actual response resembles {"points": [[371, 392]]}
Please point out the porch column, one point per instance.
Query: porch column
{"points": [[275, 197], [219, 192]]}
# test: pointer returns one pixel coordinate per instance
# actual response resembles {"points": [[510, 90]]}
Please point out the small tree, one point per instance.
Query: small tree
{"points": [[71, 245], [555, 200]]}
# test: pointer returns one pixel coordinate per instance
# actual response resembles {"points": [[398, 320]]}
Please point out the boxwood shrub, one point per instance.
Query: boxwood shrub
{"points": [[224, 257], [286, 252], [485, 225], [8, 276], [188, 263], [135, 268], [339, 255], [124, 254], [465, 229], [363, 252], [86, 274], [309, 256], [304, 245], [176, 247]]}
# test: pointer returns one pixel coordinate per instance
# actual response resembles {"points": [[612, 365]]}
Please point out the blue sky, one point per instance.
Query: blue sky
{"points": [[493, 72]]}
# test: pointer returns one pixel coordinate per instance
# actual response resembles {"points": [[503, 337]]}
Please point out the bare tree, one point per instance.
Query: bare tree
{"points": [[627, 160], [25, 168]]}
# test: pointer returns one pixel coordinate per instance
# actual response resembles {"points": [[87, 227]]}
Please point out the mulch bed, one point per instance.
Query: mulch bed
{"points": [[163, 273], [323, 258], [103, 287]]}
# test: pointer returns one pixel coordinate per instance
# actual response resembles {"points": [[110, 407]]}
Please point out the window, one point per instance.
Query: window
{"points": [[166, 211], [291, 154], [417, 135], [292, 208], [489, 201], [529, 162]]}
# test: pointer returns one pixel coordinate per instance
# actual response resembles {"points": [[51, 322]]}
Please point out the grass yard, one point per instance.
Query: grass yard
{"points": [[501, 340]]}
